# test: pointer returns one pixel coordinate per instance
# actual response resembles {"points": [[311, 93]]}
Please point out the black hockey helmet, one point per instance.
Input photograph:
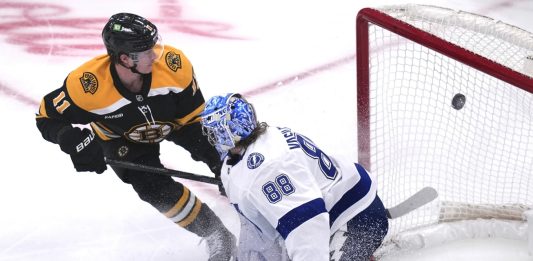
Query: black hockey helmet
{"points": [[127, 33]]}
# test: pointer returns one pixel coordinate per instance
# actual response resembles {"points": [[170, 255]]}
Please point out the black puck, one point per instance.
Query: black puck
{"points": [[458, 101]]}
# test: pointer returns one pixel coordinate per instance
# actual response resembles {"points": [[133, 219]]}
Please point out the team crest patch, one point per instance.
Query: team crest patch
{"points": [[255, 160], [173, 61], [89, 82]]}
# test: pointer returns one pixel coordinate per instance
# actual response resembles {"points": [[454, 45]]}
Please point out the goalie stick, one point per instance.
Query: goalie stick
{"points": [[163, 171], [415, 201]]}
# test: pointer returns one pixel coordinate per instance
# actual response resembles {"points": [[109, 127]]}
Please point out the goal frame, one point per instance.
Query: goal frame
{"points": [[370, 15]]}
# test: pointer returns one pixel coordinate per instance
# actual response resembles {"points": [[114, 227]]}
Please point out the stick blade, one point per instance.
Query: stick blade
{"points": [[417, 200]]}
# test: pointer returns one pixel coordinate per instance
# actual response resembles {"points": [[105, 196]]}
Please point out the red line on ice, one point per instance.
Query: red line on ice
{"points": [[10, 92]]}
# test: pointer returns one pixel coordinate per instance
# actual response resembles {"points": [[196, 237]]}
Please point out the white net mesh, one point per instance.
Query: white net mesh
{"points": [[481, 153]]}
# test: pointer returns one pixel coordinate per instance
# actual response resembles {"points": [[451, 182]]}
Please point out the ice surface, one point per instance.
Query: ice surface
{"points": [[293, 58]]}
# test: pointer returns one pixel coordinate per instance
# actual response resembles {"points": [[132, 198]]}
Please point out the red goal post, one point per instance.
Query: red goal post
{"points": [[411, 62]]}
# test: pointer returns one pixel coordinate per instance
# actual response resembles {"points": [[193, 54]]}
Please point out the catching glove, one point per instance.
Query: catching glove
{"points": [[85, 153]]}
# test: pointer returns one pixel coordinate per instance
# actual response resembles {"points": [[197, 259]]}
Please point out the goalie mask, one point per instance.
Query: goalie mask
{"points": [[226, 120]]}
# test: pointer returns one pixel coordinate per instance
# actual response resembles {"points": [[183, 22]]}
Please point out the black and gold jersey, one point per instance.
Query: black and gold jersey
{"points": [[93, 94]]}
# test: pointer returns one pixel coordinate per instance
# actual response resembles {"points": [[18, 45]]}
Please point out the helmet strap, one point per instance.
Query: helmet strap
{"points": [[133, 69]]}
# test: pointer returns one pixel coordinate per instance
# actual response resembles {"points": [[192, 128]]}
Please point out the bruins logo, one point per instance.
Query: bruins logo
{"points": [[152, 133], [173, 61], [89, 82]]}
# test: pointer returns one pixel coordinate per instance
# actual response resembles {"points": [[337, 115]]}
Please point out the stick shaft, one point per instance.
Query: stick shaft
{"points": [[417, 200], [162, 171]]}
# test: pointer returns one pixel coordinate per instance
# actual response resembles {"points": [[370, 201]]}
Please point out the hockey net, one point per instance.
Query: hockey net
{"points": [[412, 61]]}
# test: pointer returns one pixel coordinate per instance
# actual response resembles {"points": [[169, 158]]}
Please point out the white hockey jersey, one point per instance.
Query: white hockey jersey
{"points": [[286, 186]]}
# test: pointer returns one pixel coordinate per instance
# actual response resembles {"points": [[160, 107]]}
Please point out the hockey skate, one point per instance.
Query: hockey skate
{"points": [[221, 245]]}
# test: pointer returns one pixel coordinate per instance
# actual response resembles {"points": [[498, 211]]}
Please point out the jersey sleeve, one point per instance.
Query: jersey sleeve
{"points": [[293, 204], [57, 112]]}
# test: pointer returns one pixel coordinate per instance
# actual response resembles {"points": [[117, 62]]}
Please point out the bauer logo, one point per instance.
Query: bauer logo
{"points": [[89, 82], [173, 61], [255, 160]]}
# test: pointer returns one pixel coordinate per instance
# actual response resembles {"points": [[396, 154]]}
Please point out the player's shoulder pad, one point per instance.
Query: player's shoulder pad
{"points": [[173, 69], [90, 86]]}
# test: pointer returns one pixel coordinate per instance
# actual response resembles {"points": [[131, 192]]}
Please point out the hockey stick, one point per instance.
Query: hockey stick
{"points": [[415, 201], [162, 171]]}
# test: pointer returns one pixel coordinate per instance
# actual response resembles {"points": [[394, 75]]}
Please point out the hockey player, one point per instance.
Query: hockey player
{"points": [[137, 95], [288, 190]]}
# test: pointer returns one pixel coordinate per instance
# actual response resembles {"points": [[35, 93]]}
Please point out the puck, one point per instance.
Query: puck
{"points": [[458, 101]]}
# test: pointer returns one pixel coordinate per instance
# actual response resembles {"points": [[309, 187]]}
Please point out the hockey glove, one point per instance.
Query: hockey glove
{"points": [[85, 153]]}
